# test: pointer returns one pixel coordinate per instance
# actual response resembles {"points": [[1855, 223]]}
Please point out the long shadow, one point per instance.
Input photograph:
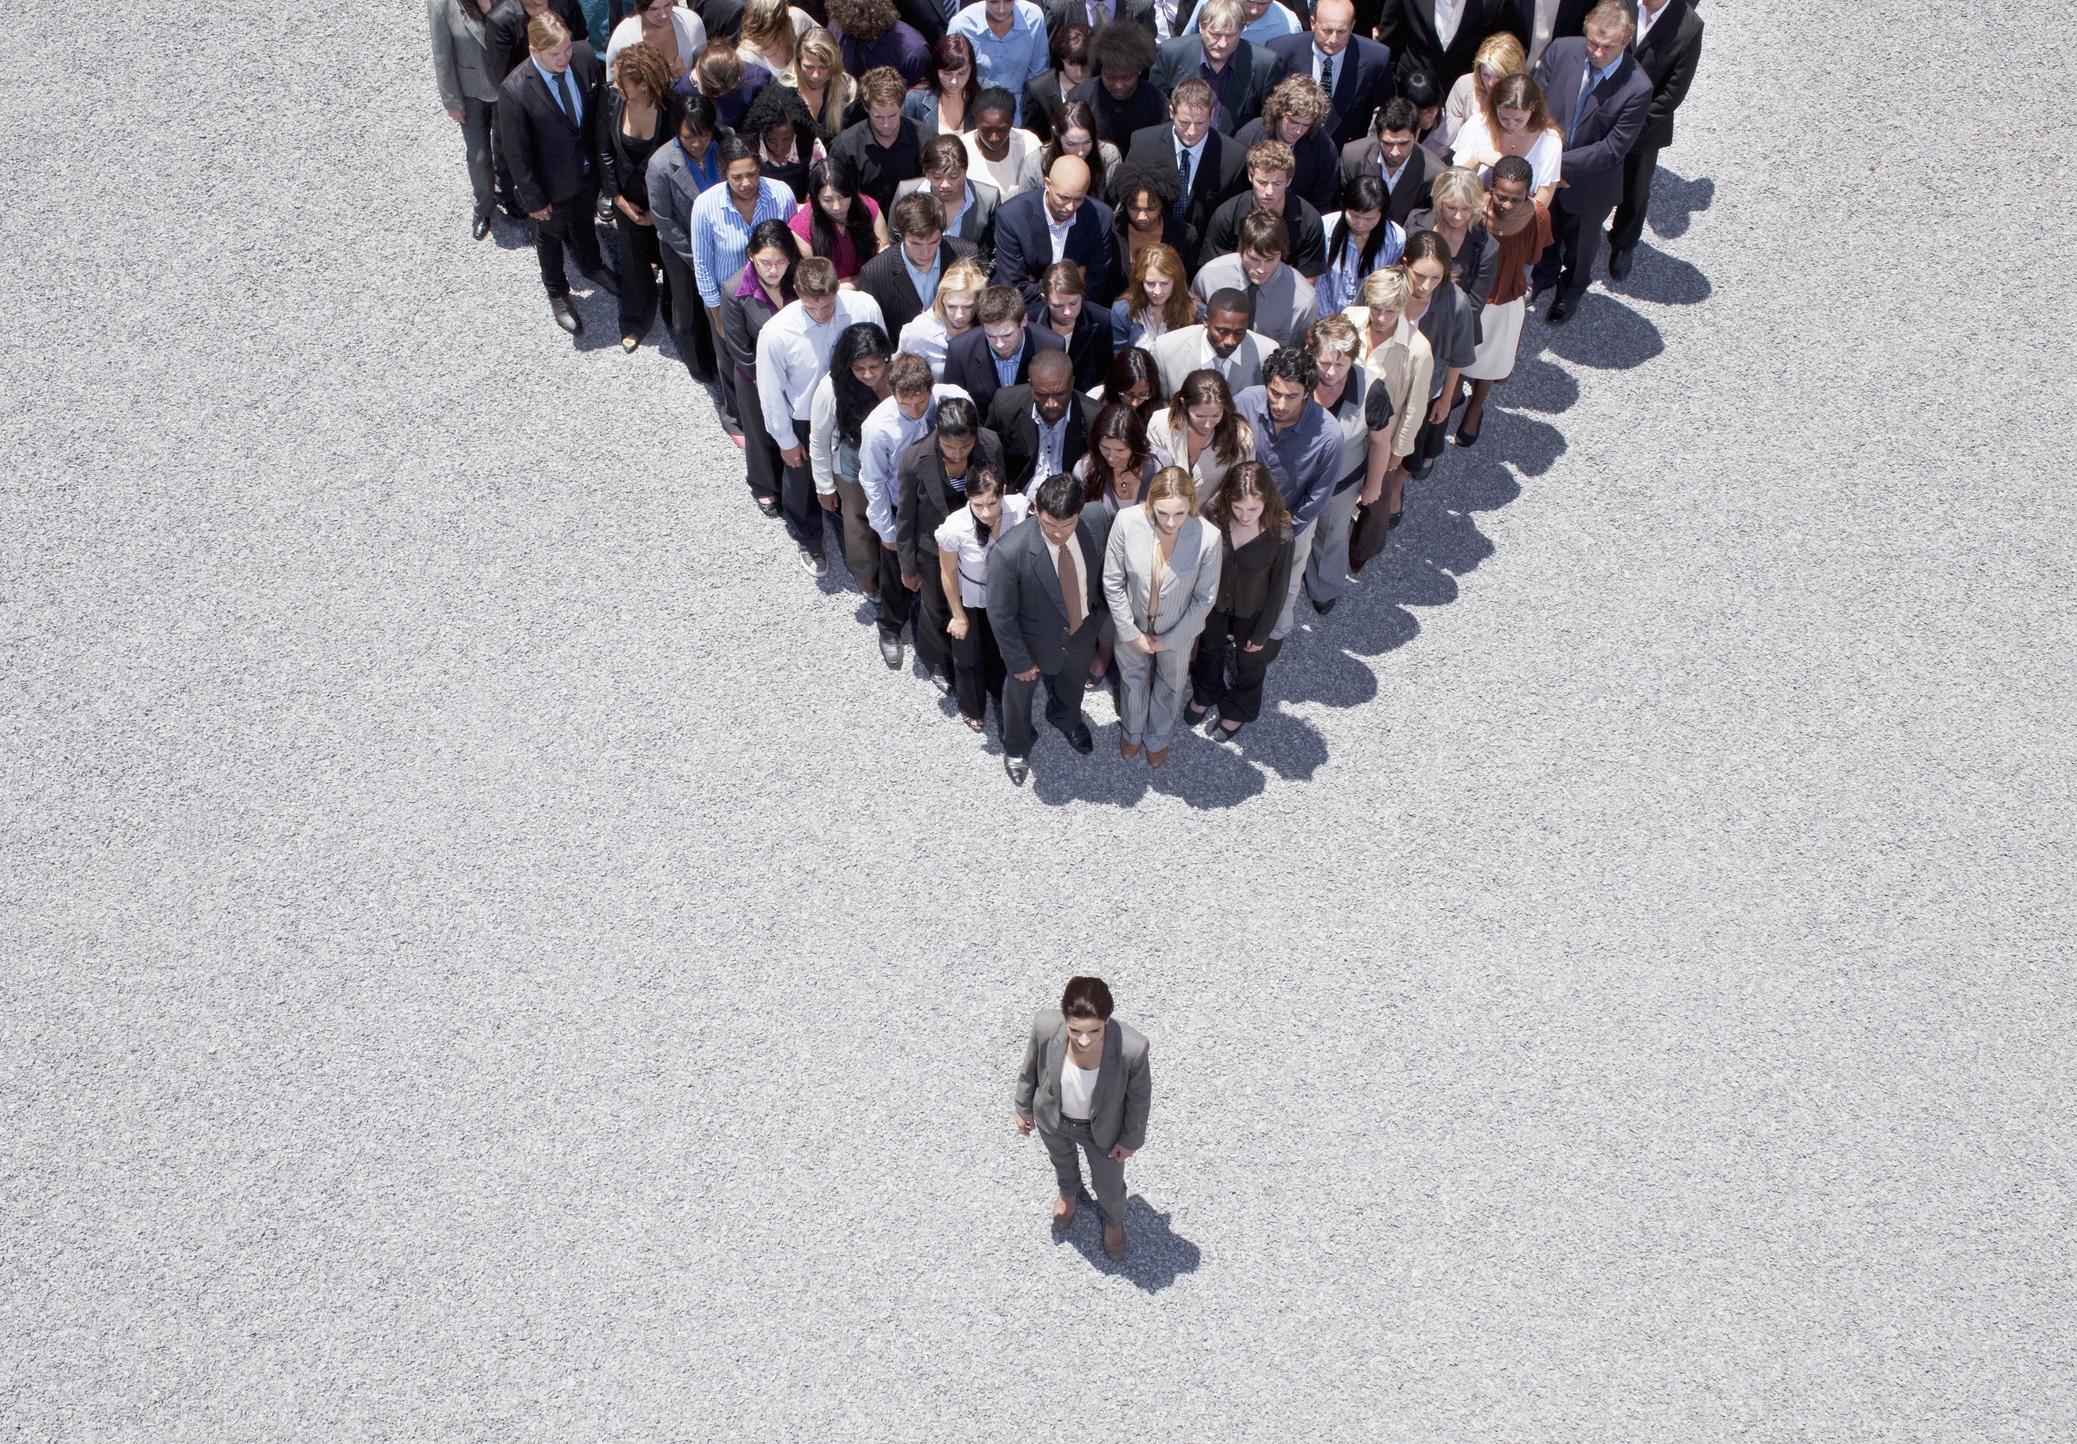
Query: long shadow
{"points": [[1537, 385], [1603, 334], [1154, 1255], [1674, 202], [1665, 279]]}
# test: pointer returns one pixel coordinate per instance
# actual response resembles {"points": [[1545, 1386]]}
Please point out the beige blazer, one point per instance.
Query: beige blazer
{"points": [[1168, 447], [1179, 353], [1189, 585], [1123, 1088], [1403, 365]]}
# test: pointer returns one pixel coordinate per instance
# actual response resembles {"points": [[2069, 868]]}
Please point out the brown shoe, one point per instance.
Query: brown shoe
{"points": [[1114, 1243], [1155, 759], [1127, 750], [1063, 1214]]}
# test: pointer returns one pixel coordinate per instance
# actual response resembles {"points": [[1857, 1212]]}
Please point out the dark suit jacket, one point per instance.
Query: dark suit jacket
{"points": [[1024, 247], [1025, 609], [970, 364], [1255, 74], [1362, 81], [1668, 56], [1062, 13], [1571, 19], [1408, 27], [1220, 175], [1416, 182], [1009, 416], [723, 18], [1042, 98], [550, 158], [976, 224], [1319, 166], [505, 32], [1118, 121], [926, 498], [886, 279], [924, 17], [742, 318], [1608, 126], [1308, 254], [1124, 1091]]}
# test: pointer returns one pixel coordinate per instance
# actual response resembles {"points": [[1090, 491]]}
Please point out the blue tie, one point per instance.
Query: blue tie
{"points": [[566, 97], [1580, 109], [1182, 204]]}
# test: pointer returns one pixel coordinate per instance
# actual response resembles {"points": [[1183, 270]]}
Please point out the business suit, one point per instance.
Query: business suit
{"points": [[1118, 1109], [1220, 174], [976, 222], [1179, 353], [1565, 17], [1042, 101], [551, 160], [744, 312], [1416, 182], [1090, 347], [1408, 27], [886, 279], [1062, 13], [1028, 614], [1608, 124], [1009, 416], [462, 70], [1252, 73], [1668, 56], [1362, 83], [1151, 684], [506, 32], [1024, 245], [971, 365], [672, 191], [926, 500]]}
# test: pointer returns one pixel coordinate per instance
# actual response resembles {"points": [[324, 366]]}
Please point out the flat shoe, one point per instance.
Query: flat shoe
{"points": [[975, 724], [1470, 438], [630, 344], [769, 505], [1225, 733], [1114, 1244]]}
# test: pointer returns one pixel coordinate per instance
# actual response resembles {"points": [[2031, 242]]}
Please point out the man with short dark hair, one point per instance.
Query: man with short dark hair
{"points": [[1046, 605], [1285, 303], [1300, 444], [997, 351], [1210, 168], [1394, 154], [884, 149], [1599, 97], [904, 277], [1223, 342], [1271, 167], [1044, 423], [1084, 1085]]}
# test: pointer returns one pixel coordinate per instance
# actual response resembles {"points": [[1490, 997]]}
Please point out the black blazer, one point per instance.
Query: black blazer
{"points": [[624, 163], [1025, 609], [1062, 13], [927, 499], [1668, 56], [723, 18], [1416, 182], [1609, 125], [505, 32], [1042, 100], [1118, 121], [1179, 236], [1319, 166], [1256, 72], [550, 159], [1024, 248], [742, 317], [1362, 81], [970, 364], [1220, 175], [924, 17], [1009, 416], [1408, 27], [1090, 346], [886, 279]]}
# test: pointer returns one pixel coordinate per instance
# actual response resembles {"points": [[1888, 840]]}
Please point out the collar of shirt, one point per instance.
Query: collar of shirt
{"points": [[553, 79], [1005, 367], [1391, 177], [1081, 556], [1595, 77], [1648, 17], [966, 199], [925, 281], [1321, 57], [1052, 439], [1210, 360], [1058, 230], [1195, 152], [1449, 15]]}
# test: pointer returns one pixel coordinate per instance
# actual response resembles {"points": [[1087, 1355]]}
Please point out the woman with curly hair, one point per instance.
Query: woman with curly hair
{"points": [[1296, 114], [638, 118], [785, 136], [838, 222], [944, 103], [873, 34], [817, 75]]}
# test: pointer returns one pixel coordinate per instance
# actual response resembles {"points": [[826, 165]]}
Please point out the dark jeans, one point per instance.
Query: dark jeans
{"points": [[640, 254], [1627, 229], [977, 670], [1064, 690], [487, 175], [1242, 702], [569, 224], [1568, 262]]}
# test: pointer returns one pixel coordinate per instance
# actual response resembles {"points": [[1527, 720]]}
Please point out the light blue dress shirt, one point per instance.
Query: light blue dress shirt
{"points": [[925, 282], [1006, 371], [1007, 60], [563, 87], [721, 237]]}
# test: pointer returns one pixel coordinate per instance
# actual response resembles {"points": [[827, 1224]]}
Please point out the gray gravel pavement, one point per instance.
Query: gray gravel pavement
{"points": [[487, 952]]}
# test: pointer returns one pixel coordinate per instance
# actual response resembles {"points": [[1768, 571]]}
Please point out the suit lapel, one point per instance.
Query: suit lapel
{"points": [[1106, 1072], [1049, 578]]}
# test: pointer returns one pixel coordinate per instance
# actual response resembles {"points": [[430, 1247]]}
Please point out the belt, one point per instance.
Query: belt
{"points": [[1084, 1122]]}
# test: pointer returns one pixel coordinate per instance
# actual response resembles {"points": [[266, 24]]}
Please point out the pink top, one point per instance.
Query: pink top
{"points": [[846, 253]]}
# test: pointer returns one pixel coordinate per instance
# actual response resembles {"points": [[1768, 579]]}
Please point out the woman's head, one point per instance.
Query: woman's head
{"points": [[1162, 286], [1293, 109], [774, 251], [1133, 379], [959, 292], [952, 68], [697, 124], [1499, 57], [1247, 496], [1458, 198], [719, 71], [1335, 345], [1074, 133], [816, 57], [642, 75], [1363, 202], [739, 166], [1070, 52], [1426, 261], [858, 376], [1171, 499], [957, 426], [1145, 193], [1118, 446], [1204, 406], [768, 27], [836, 212], [1384, 294], [781, 119], [984, 488], [1088, 1000], [1516, 105]]}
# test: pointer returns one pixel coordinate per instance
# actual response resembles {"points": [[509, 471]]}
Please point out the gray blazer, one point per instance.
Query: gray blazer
{"points": [[672, 191], [1123, 1088], [977, 223], [461, 54], [1187, 592], [1176, 356]]}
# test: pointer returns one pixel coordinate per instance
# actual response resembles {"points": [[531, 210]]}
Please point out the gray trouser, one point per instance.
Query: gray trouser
{"points": [[1327, 573], [1150, 691], [1104, 1171], [1300, 546]]}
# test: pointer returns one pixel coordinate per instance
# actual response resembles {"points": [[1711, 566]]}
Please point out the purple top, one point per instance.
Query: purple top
{"points": [[900, 47]]}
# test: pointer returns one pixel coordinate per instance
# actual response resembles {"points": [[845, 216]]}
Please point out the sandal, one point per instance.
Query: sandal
{"points": [[769, 505]]}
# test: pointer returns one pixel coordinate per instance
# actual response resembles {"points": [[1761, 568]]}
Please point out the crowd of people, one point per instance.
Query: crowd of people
{"points": [[1091, 335]]}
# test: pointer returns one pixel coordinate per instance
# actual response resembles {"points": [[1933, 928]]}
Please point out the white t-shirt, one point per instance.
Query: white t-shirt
{"points": [[1545, 157], [1077, 1090], [1002, 174], [957, 534]]}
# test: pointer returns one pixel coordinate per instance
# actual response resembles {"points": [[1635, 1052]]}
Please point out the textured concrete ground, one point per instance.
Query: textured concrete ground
{"points": [[489, 952]]}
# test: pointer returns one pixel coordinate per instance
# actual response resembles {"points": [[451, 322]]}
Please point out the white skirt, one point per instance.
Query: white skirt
{"points": [[1503, 329]]}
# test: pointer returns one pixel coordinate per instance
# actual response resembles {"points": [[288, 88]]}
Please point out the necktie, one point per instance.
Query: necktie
{"points": [[1183, 201], [1327, 75], [1586, 89], [566, 97], [1071, 586]]}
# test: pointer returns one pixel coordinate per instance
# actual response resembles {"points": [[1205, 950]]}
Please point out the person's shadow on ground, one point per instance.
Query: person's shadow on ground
{"points": [[1154, 1253]]}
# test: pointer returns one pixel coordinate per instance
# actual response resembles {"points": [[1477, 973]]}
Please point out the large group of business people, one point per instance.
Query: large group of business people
{"points": [[1090, 335]]}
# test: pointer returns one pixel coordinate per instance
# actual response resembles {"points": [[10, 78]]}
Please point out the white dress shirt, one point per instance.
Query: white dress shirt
{"points": [[793, 355], [822, 436], [1081, 559], [1058, 231], [1646, 18], [887, 433], [1449, 14], [958, 537]]}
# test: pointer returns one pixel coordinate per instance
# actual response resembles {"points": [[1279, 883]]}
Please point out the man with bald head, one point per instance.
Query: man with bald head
{"points": [[1060, 221], [1355, 72]]}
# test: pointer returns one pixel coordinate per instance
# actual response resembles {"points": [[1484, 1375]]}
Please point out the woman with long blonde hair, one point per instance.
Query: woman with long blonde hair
{"points": [[817, 72], [951, 314], [1499, 57], [1160, 577], [1396, 356]]}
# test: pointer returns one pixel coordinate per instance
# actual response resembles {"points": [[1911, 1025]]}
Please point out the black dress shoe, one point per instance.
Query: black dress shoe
{"points": [[1559, 311], [1323, 608], [890, 650], [566, 318], [513, 213], [607, 280], [1081, 741], [1619, 263], [479, 228], [1019, 768]]}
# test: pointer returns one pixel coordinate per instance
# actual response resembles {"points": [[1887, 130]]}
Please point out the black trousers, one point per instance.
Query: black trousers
{"points": [[1064, 690], [896, 600], [798, 502], [977, 670], [488, 177], [689, 325], [1222, 636], [762, 463], [640, 254], [569, 225], [1627, 229], [1568, 262], [1428, 444], [933, 616]]}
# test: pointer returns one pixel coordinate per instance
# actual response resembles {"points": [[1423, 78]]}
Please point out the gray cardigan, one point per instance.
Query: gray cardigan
{"points": [[461, 53], [1118, 1113]]}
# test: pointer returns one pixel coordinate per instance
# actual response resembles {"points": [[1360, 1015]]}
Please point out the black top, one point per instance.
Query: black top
{"points": [[1473, 269], [1251, 576], [1116, 120], [624, 159], [1452, 332], [876, 169], [1090, 346], [1319, 165], [1308, 238]]}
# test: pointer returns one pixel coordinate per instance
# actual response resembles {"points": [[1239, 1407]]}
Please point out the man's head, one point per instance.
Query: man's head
{"points": [[815, 282], [1610, 28], [883, 90], [1398, 130], [909, 374], [1512, 177], [995, 112], [920, 222], [1289, 376], [1000, 316], [1334, 24], [1059, 504], [944, 166], [1190, 110], [548, 40], [1227, 316], [1121, 54], [1000, 13], [1067, 186], [1063, 290], [1052, 385], [1293, 109], [1219, 23], [1264, 241], [1270, 168]]}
